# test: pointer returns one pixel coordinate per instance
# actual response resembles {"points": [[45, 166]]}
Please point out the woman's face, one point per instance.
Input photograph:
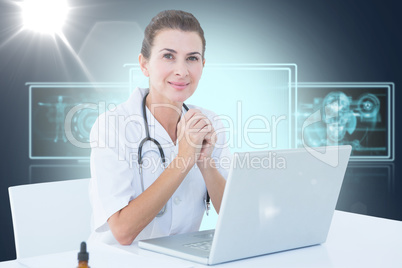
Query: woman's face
{"points": [[175, 65]]}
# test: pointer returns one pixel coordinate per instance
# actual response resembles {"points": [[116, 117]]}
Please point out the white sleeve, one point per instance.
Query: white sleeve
{"points": [[111, 187]]}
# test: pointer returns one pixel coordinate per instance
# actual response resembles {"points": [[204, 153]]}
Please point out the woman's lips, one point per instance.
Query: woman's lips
{"points": [[179, 85]]}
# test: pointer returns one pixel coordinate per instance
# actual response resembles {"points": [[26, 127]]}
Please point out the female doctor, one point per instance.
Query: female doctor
{"points": [[132, 201]]}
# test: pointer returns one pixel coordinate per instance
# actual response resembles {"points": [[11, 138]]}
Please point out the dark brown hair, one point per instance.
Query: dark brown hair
{"points": [[170, 19]]}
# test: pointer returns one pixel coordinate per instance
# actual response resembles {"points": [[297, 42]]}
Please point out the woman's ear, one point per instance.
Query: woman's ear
{"points": [[203, 63], [143, 64]]}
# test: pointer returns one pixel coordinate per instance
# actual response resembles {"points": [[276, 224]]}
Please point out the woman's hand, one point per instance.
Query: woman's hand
{"points": [[196, 136], [208, 145]]}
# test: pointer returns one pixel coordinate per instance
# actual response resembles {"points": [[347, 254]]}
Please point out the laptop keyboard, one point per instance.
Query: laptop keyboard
{"points": [[205, 245]]}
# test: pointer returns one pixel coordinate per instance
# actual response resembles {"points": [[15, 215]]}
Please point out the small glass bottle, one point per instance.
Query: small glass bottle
{"points": [[83, 256]]}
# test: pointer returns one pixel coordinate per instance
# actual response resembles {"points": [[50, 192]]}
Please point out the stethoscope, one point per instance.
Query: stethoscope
{"points": [[162, 155]]}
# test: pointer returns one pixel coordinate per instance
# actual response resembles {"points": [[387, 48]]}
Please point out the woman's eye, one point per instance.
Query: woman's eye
{"points": [[168, 56], [193, 58]]}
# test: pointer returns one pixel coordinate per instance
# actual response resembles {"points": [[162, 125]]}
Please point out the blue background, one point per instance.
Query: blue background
{"points": [[330, 41]]}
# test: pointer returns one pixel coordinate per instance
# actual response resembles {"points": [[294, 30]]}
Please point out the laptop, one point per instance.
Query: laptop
{"points": [[273, 201]]}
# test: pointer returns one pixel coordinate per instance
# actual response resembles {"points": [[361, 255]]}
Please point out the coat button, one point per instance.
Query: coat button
{"points": [[177, 200]]}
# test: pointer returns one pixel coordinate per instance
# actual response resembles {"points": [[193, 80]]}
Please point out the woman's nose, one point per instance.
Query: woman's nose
{"points": [[181, 69]]}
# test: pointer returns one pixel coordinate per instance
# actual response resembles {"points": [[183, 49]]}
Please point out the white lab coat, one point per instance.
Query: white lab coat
{"points": [[115, 138]]}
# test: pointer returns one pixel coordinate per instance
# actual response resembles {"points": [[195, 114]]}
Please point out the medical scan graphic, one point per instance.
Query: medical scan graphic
{"points": [[52, 106], [359, 117], [56, 112]]}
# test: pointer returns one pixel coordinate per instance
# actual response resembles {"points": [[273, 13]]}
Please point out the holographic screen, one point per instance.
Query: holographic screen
{"points": [[254, 101], [356, 114], [52, 104]]}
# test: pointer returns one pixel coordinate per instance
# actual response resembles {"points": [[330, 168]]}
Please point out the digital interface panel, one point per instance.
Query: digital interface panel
{"points": [[52, 105], [356, 114], [255, 102]]}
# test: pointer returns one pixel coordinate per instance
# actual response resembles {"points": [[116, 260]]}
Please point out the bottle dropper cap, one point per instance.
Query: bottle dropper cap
{"points": [[83, 254]]}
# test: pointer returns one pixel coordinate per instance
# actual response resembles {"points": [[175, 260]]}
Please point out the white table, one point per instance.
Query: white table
{"points": [[353, 241]]}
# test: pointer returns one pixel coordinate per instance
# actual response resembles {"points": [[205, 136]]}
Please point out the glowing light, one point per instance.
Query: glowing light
{"points": [[44, 16]]}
